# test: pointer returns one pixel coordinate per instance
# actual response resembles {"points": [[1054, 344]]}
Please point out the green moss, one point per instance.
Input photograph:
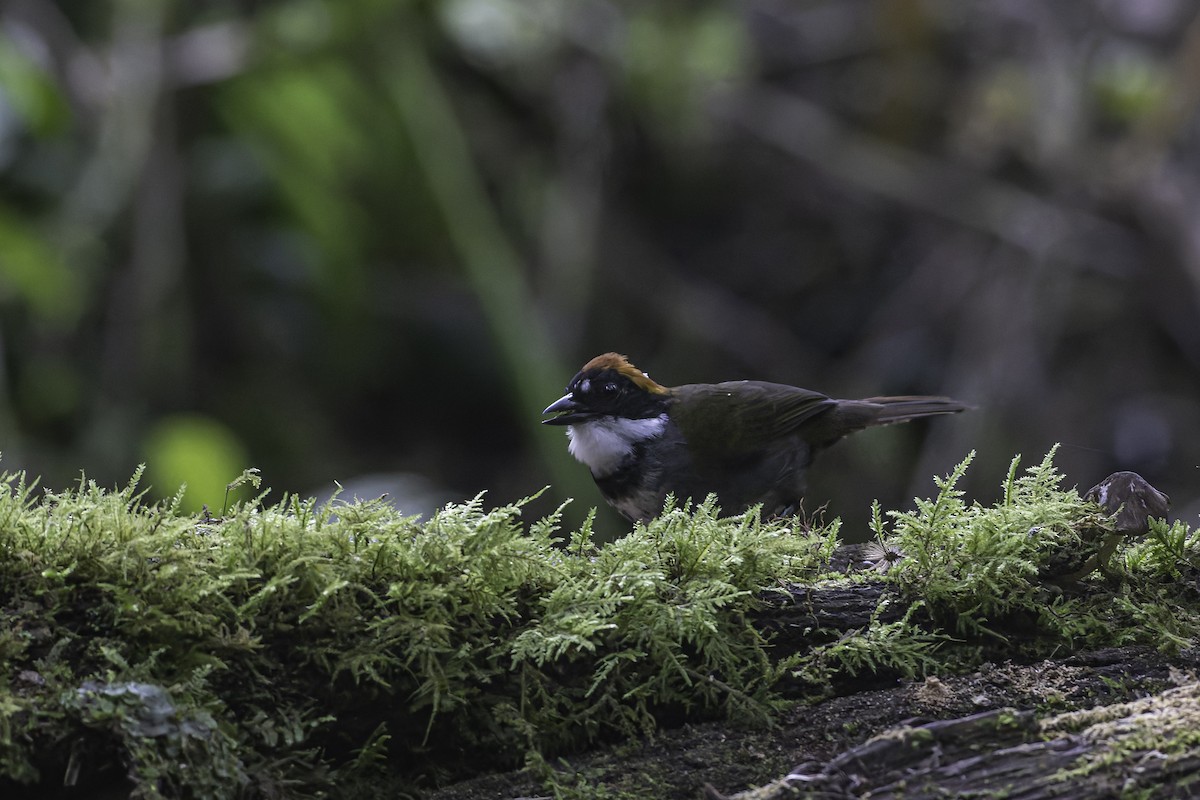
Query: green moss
{"points": [[972, 564], [966, 574], [292, 648], [301, 646], [901, 647], [1166, 725]]}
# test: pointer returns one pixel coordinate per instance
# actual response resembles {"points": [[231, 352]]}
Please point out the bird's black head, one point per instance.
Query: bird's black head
{"points": [[608, 386]]}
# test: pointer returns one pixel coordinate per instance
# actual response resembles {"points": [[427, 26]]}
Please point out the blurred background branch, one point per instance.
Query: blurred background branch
{"points": [[367, 242]]}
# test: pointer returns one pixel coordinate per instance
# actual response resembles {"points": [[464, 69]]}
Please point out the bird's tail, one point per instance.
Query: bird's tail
{"points": [[901, 409]]}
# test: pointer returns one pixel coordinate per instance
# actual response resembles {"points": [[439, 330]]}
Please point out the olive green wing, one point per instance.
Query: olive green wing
{"points": [[744, 416]]}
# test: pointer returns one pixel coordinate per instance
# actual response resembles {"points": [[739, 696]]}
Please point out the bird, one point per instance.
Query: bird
{"points": [[748, 442]]}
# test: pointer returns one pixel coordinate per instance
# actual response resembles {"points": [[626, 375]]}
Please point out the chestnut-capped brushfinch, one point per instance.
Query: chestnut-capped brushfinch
{"points": [[748, 442]]}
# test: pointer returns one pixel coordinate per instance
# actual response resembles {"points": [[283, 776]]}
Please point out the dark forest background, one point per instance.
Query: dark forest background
{"points": [[367, 241]]}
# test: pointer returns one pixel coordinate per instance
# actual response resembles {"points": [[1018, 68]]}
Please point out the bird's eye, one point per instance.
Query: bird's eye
{"points": [[610, 388]]}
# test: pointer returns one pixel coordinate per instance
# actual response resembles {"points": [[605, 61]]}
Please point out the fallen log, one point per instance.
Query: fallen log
{"points": [[1146, 748]]}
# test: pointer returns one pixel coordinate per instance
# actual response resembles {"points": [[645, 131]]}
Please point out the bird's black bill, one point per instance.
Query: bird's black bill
{"points": [[567, 410]]}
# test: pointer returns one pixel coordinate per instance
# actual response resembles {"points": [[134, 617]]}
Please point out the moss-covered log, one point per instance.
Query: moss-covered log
{"points": [[718, 759], [1146, 748], [295, 650]]}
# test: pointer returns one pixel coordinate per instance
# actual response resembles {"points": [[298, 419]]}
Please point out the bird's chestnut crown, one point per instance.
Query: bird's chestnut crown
{"points": [[608, 385]]}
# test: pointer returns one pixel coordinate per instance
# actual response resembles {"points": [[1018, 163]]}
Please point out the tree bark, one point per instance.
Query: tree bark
{"points": [[1147, 748]]}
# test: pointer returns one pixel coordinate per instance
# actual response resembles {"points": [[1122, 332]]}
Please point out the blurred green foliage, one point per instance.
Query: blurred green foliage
{"points": [[378, 237], [195, 451], [32, 274]]}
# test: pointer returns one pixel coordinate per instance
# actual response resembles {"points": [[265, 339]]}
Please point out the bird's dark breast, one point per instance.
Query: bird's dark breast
{"points": [[774, 478], [636, 488]]}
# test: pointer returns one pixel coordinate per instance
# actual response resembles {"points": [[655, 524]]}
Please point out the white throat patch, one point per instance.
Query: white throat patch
{"points": [[605, 444]]}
